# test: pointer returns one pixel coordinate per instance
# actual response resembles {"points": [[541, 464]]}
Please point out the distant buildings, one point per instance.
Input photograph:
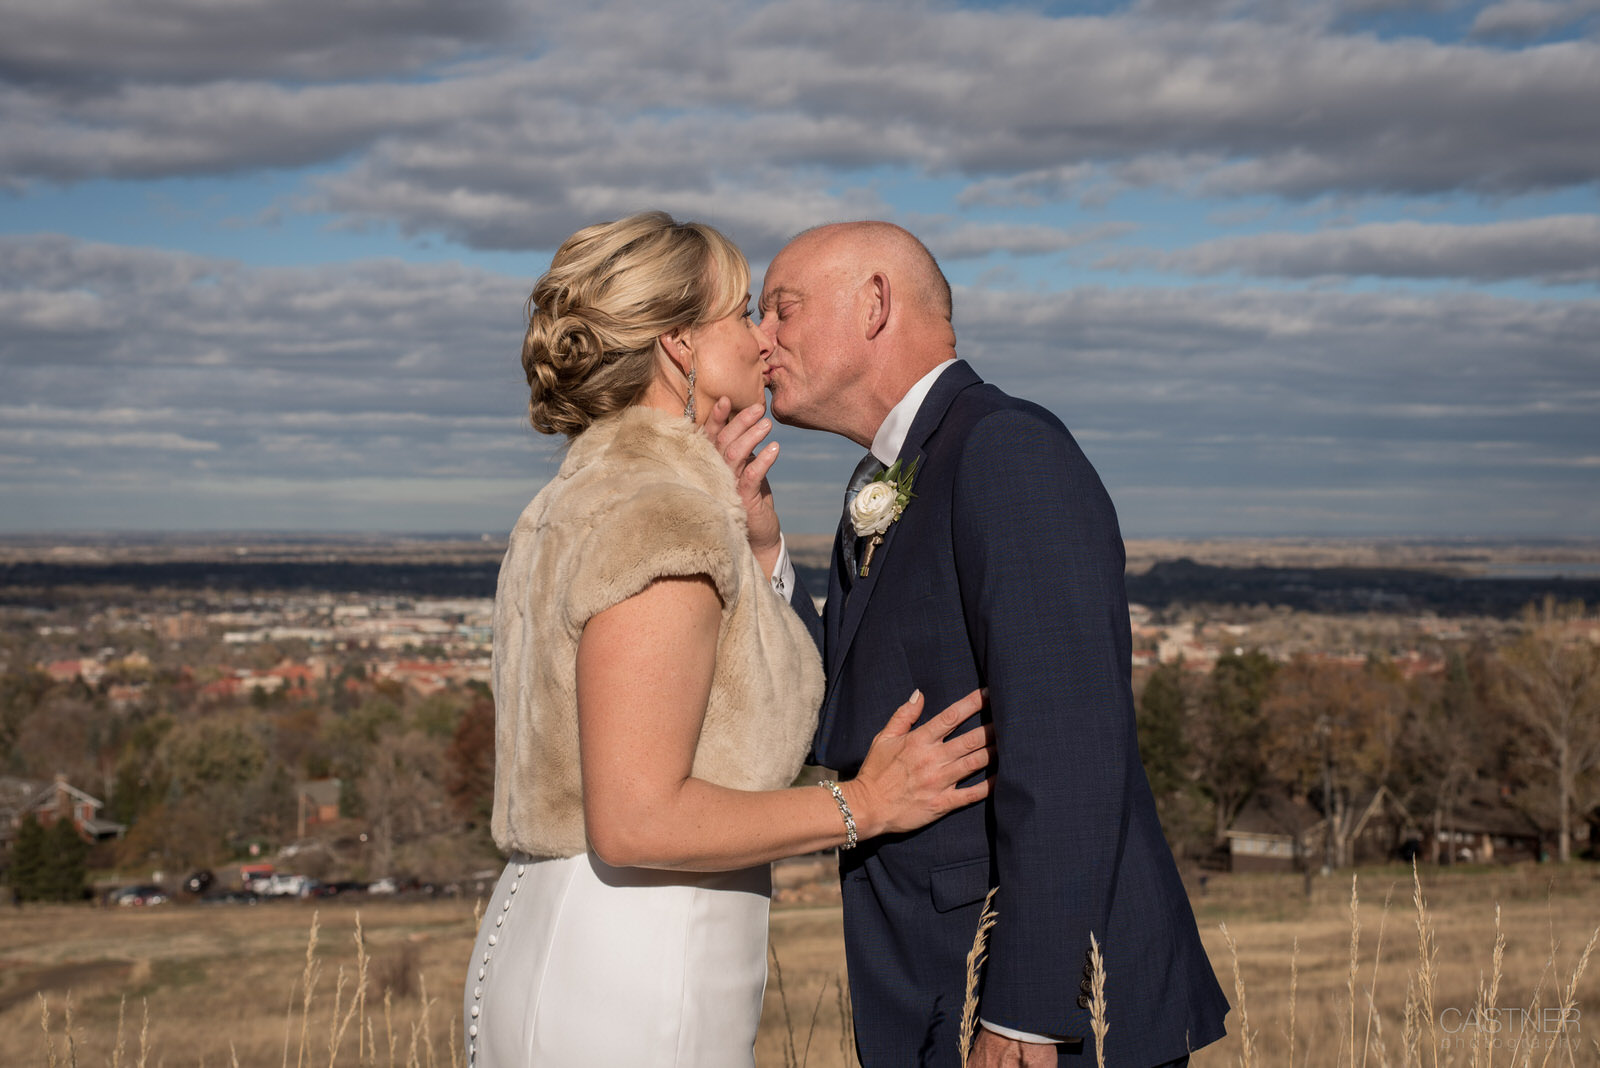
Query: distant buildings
{"points": [[49, 803]]}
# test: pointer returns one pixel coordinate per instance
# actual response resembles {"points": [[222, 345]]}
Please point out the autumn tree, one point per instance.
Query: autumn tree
{"points": [[1450, 742], [1332, 731], [1226, 733], [402, 794], [1550, 685], [1164, 750], [470, 762]]}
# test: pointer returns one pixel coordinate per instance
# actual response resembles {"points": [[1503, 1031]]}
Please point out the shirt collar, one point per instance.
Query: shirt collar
{"points": [[891, 436]]}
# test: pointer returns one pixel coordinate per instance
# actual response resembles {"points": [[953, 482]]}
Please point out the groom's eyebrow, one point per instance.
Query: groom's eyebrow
{"points": [[771, 296]]}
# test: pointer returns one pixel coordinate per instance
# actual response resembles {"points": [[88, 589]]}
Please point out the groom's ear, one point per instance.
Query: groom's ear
{"points": [[877, 304]]}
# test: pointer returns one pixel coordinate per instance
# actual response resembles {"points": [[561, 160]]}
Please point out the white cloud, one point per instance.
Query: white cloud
{"points": [[286, 382], [1552, 249], [630, 103], [1527, 19]]}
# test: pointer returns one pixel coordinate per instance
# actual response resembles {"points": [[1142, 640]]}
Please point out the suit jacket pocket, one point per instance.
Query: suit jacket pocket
{"points": [[958, 884]]}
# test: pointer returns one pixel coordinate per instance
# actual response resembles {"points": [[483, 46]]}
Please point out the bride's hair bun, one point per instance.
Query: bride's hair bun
{"points": [[611, 291]]}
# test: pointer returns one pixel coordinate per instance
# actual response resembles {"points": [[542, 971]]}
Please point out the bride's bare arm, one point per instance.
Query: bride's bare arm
{"points": [[644, 675]]}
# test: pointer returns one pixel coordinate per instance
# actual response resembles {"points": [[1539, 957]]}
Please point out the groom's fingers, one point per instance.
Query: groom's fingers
{"points": [[717, 420], [755, 472], [736, 428], [743, 436]]}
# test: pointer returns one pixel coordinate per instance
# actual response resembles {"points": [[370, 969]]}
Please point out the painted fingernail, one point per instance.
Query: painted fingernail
{"points": [[916, 695]]}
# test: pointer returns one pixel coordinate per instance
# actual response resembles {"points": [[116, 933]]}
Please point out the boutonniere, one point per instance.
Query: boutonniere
{"points": [[879, 504]]}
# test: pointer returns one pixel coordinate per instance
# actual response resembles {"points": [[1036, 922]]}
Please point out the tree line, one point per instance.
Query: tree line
{"points": [[1521, 719]]}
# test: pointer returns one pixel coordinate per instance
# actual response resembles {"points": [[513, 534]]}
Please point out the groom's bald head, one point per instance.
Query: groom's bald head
{"points": [[858, 312], [874, 245]]}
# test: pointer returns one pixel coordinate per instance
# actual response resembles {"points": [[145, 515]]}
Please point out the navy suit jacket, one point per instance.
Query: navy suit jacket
{"points": [[1006, 571]]}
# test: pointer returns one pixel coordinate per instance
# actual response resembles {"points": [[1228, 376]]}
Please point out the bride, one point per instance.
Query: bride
{"points": [[654, 696]]}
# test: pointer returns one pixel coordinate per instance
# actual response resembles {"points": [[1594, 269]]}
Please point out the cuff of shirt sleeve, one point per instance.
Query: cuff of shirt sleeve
{"points": [[782, 577], [1021, 1036]]}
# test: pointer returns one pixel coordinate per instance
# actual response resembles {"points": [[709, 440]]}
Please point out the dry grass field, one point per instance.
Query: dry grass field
{"points": [[226, 985]]}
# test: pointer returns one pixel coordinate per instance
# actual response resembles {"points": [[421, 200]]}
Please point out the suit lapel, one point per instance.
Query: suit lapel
{"points": [[850, 609]]}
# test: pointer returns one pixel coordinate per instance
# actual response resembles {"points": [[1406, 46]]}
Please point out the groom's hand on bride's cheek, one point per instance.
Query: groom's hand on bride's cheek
{"points": [[717, 420], [736, 440]]}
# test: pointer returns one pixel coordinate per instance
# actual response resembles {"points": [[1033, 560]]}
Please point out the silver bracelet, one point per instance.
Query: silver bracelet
{"points": [[850, 838]]}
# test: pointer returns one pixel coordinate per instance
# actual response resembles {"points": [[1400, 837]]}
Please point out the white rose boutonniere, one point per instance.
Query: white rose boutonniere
{"points": [[879, 504]]}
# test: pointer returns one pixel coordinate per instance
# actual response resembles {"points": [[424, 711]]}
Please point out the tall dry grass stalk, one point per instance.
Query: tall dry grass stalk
{"points": [[975, 958], [1374, 1020], [1294, 983], [1355, 962], [116, 1049], [1488, 997], [49, 1036], [1427, 974], [1569, 999], [1247, 1044], [1097, 1000], [308, 989], [791, 1059]]}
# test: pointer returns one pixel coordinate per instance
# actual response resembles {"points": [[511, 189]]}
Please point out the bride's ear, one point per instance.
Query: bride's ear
{"points": [[675, 343]]}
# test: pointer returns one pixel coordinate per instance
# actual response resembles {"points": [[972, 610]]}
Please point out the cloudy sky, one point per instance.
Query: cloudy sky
{"points": [[1286, 267]]}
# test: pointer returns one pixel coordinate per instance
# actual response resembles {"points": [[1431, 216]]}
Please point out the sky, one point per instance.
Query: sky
{"points": [[1285, 268]]}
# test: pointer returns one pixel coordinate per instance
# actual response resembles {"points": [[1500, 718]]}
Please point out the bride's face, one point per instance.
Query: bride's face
{"points": [[730, 360]]}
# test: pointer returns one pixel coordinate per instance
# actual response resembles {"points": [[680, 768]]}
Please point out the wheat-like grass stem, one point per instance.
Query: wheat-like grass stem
{"points": [[308, 991], [1355, 963], [975, 958], [1097, 1000], [1483, 1055], [49, 1039], [1427, 962], [1569, 997], [1377, 956], [427, 1017], [144, 1035], [117, 1044], [72, 1043], [1411, 1032], [388, 1022], [1294, 982], [1246, 1040], [790, 1058]]}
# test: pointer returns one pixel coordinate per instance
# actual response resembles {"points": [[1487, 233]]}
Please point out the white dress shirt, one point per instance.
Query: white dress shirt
{"points": [[886, 446]]}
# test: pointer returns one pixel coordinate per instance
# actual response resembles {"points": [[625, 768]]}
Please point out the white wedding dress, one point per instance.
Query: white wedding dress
{"points": [[582, 965]]}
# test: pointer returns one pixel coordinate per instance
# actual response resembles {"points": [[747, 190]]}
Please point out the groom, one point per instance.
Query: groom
{"points": [[1005, 570]]}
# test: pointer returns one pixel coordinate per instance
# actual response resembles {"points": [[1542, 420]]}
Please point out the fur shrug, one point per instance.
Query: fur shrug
{"points": [[641, 495]]}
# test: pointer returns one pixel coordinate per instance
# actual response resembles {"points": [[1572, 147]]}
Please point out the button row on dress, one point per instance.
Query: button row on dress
{"points": [[477, 991]]}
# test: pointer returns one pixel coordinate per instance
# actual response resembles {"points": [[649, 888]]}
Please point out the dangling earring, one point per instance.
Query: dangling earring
{"points": [[688, 409]]}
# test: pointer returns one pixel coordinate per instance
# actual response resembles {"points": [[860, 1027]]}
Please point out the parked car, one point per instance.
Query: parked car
{"points": [[141, 894], [199, 881], [385, 885], [340, 888], [282, 885], [231, 897]]}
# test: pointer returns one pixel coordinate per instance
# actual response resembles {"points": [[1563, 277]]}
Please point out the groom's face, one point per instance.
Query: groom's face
{"points": [[807, 309]]}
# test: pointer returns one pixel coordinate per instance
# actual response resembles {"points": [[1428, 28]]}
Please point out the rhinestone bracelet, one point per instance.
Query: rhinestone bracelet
{"points": [[850, 838]]}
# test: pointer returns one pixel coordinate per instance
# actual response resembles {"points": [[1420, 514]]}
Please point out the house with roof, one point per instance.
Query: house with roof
{"points": [[50, 802], [1275, 831]]}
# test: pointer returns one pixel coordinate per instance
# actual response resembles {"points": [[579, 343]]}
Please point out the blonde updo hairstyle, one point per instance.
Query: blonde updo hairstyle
{"points": [[611, 291]]}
